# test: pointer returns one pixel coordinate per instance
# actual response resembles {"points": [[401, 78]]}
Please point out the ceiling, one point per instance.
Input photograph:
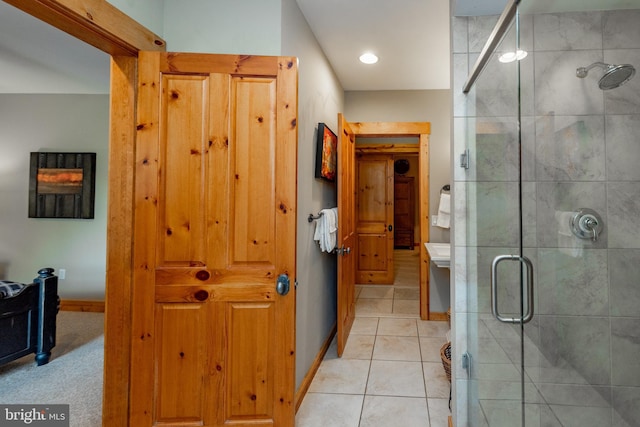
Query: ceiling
{"points": [[411, 38]]}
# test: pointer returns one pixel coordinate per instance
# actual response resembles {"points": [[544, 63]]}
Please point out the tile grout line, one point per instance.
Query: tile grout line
{"points": [[424, 376], [366, 386], [378, 317]]}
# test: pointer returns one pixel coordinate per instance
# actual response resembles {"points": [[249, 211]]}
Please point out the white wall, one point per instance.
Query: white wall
{"points": [[67, 123], [432, 106], [250, 27], [149, 13], [320, 98]]}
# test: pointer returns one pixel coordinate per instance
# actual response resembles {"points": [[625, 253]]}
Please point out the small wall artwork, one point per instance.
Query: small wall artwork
{"points": [[326, 153], [62, 185]]}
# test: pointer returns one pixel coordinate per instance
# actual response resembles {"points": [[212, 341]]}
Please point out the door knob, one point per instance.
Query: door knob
{"points": [[283, 285], [343, 251], [390, 227]]}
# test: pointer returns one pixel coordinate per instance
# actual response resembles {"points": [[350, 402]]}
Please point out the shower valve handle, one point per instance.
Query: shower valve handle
{"points": [[587, 224], [591, 224]]}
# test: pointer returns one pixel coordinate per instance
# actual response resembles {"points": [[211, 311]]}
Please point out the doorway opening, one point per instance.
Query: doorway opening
{"points": [[388, 273], [393, 290], [411, 139]]}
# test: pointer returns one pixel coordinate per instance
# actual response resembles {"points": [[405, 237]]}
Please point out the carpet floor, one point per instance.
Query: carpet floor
{"points": [[73, 376]]}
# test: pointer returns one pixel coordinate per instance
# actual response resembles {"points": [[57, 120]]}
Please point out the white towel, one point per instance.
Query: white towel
{"points": [[326, 229], [331, 218], [332, 221], [319, 233], [444, 211]]}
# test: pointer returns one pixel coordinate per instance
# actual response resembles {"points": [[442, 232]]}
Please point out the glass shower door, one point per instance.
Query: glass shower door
{"points": [[546, 237], [500, 262]]}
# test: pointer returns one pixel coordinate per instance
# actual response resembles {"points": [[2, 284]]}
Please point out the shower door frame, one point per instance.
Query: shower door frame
{"points": [[508, 19], [580, 155]]}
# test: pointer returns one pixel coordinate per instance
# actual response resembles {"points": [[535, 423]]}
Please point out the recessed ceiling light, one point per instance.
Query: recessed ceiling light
{"points": [[512, 56], [368, 58]]}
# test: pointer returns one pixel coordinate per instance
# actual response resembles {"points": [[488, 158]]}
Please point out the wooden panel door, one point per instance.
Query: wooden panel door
{"points": [[403, 212], [374, 219], [215, 223], [346, 232]]}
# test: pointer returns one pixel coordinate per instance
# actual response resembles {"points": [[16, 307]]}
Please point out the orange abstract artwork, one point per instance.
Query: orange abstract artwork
{"points": [[327, 153], [59, 181], [62, 185]]}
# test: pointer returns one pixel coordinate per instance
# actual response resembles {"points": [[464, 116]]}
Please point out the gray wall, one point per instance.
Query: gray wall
{"points": [[320, 98], [432, 106], [52, 123]]}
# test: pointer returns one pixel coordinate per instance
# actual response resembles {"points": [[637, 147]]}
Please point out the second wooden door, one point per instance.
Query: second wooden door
{"points": [[374, 219]]}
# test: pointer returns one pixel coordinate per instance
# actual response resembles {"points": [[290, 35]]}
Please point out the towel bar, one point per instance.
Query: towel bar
{"points": [[314, 217]]}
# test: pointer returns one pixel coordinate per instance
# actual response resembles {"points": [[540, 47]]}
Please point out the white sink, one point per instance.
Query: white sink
{"points": [[440, 253]]}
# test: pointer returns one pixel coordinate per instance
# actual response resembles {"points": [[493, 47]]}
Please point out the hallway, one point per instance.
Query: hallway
{"points": [[400, 300], [390, 373]]}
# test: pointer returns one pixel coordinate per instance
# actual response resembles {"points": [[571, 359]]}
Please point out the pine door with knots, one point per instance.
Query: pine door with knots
{"points": [[213, 332]]}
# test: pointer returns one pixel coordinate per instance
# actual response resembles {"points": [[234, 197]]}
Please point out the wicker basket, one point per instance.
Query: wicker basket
{"points": [[449, 316], [445, 356]]}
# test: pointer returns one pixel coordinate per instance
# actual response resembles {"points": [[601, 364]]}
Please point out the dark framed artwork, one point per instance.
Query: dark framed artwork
{"points": [[326, 153], [62, 185]]}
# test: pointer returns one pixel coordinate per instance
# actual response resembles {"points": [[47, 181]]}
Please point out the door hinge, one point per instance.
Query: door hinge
{"points": [[465, 159], [466, 363]]}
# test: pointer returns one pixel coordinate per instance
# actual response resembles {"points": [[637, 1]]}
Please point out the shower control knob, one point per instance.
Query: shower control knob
{"points": [[587, 224]]}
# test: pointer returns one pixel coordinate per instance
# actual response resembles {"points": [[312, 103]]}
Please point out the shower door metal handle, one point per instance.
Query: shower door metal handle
{"points": [[526, 317]]}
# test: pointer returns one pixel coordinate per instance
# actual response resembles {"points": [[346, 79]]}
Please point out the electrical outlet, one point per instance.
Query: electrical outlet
{"points": [[434, 219], [62, 273]]}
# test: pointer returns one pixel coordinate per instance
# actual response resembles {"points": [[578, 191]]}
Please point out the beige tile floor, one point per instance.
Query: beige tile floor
{"points": [[390, 374]]}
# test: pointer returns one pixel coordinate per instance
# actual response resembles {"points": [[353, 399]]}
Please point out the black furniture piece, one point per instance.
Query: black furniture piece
{"points": [[28, 318]]}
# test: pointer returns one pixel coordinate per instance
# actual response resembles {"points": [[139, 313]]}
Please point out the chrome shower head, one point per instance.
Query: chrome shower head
{"points": [[614, 75]]}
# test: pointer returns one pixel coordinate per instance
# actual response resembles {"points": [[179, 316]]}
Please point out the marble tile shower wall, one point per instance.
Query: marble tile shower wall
{"points": [[581, 148]]}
